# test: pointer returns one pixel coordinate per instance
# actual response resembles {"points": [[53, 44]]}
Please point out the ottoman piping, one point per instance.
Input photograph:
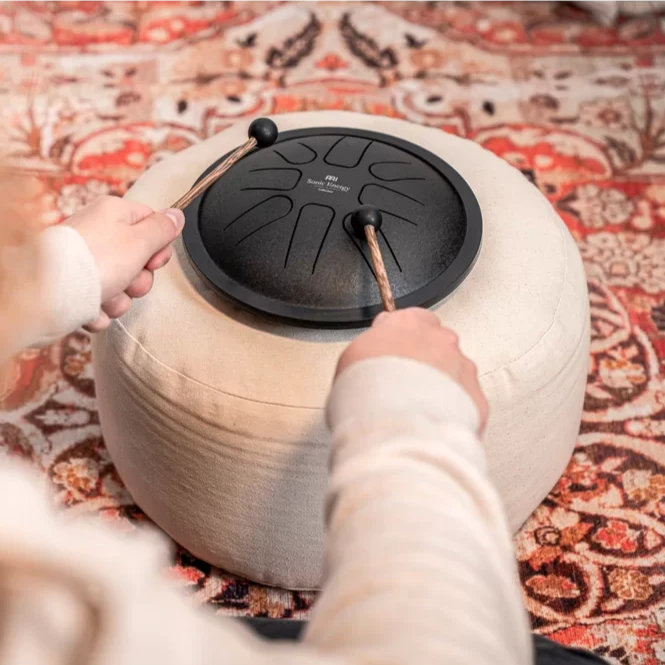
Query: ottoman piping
{"points": [[205, 385]]}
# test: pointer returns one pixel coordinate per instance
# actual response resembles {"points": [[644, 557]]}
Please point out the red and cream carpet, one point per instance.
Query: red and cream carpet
{"points": [[92, 93]]}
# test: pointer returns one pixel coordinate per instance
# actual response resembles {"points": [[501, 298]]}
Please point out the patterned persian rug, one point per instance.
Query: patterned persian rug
{"points": [[93, 93]]}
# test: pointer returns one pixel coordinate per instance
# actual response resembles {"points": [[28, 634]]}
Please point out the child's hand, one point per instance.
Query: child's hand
{"points": [[417, 334], [128, 241]]}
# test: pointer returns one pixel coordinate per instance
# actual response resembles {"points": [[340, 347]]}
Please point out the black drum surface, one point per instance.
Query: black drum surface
{"points": [[273, 233]]}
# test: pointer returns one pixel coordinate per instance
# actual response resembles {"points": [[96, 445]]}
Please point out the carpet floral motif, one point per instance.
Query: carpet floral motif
{"points": [[94, 93]]}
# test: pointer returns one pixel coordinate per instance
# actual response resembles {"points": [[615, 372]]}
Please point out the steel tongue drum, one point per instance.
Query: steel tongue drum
{"points": [[329, 226]]}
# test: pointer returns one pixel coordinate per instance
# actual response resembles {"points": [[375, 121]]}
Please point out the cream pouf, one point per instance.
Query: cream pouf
{"points": [[214, 416]]}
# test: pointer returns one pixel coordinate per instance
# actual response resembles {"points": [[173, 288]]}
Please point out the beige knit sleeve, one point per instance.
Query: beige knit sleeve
{"points": [[71, 288], [52, 286], [419, 561]]}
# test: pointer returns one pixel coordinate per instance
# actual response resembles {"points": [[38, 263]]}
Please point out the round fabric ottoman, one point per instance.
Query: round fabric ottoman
{"points": [[214, 415]]}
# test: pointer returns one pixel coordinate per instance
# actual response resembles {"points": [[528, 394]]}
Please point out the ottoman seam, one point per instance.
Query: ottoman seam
{"points": [[205, 385]]}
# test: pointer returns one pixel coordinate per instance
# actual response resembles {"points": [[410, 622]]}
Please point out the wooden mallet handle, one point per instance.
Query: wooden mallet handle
{"points": [[366, 221], [262, 133]]}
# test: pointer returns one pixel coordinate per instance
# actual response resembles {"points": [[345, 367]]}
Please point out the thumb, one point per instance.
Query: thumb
{"points": [[158, 230]]}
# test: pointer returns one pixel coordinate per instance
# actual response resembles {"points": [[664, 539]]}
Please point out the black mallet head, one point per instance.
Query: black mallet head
{"points": [[365, 216], [264, 131]]}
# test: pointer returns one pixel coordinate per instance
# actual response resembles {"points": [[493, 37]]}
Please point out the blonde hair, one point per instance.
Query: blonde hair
{"points": [[19, 259]]}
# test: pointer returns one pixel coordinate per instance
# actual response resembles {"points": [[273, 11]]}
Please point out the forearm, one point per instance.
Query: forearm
{"points": [[55, 285], [71, 291], [420, 566]]}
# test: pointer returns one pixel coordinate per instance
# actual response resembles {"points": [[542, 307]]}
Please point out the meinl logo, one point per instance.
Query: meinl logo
{"points": [[328, 184]]}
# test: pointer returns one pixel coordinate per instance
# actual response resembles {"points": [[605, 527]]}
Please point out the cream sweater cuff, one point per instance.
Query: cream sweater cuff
{"points": [[392, 387], [71, 291]]}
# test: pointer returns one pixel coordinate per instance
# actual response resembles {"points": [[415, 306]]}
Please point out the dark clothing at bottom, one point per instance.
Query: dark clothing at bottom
{"points": [[547, 652]]}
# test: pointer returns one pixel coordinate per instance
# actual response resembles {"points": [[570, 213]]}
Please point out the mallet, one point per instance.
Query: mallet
{"points": [[366, 221], [262, 133]]}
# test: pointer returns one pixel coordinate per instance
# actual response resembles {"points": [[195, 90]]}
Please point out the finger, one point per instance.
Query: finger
{"points": [[472, 386], [141, 284], [128, 212], [469, 367], [484, 413], [479, 399], [381, 319], [100, 323], [449, 335], [422, 316], [414, 316], [411, 316], [156, 232], [137, 211], [160, 259], [117, 306]]}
